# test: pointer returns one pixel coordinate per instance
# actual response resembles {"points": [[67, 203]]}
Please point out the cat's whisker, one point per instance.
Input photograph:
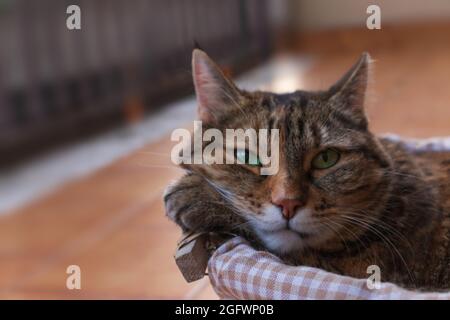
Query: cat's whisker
{"points": [[365, 226], [357, 238], [371, 220], [155, 153], [150, 166], [389, 228], [384, 239], [337, 231], [240, 225], [366, 216], [402, 174]]}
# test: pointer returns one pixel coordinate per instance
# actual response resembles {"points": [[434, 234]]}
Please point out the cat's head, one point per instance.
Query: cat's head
{"points": [[330, 166]]}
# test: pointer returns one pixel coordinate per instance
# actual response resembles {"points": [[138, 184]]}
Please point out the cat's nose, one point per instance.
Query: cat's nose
{"points": [[288, 206]]}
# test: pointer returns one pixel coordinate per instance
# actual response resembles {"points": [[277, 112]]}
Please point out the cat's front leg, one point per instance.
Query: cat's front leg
{"points": [[195, 206]]}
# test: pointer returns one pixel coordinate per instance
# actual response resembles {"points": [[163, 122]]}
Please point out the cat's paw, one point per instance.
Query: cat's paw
{"points": [[181, 201], [193, 205]]}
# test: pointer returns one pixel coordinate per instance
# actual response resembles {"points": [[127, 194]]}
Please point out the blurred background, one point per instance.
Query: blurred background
{"points": [[86, 117]]}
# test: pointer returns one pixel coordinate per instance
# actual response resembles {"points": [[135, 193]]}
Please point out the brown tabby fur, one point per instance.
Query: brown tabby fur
{"points": [[379, 205]]}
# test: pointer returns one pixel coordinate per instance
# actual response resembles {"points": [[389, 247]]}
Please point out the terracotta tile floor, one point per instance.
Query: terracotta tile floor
{"points": [[112, 224]]}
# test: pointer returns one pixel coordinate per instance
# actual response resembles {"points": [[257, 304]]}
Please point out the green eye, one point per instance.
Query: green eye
{"points": [[243, 156], [325, 159]]}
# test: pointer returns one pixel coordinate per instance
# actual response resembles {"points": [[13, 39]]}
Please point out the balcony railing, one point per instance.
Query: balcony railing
{"points": [[128, 58]]}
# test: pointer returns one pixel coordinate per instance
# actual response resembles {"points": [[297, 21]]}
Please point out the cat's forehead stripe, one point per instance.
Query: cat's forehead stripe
{"points": [[297, 98]]}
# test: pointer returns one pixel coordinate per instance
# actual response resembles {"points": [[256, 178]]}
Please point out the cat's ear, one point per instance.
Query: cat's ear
{"points": [[349, 93], [215, 92]]}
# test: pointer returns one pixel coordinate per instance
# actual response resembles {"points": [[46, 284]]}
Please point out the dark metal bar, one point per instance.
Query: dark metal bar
{"points": [[126, 51]]}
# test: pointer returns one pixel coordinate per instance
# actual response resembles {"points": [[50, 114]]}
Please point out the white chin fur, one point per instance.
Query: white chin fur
{"points": [[271, 229], [282, 241]]}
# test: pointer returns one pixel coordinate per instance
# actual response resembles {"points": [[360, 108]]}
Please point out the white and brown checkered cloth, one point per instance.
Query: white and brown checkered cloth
{"points": [[237, 271]]}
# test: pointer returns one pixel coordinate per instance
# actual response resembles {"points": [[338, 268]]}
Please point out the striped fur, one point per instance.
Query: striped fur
{"points": [[380, 204]]}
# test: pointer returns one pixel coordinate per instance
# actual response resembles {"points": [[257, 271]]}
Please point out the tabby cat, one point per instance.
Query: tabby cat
{"points": [[342, 199]]}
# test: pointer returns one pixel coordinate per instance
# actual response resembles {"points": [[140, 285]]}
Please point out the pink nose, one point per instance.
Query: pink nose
{"points": [[288, 206]]}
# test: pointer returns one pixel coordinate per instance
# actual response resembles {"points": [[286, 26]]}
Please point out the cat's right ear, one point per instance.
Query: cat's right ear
{"points": [[214, 91]]}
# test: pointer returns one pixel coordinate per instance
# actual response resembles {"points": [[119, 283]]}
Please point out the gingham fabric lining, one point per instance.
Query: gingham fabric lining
{"points": [[237, 271]]}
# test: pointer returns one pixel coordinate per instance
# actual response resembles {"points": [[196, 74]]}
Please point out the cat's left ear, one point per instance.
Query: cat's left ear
{"points": [[349, 93], [215, 92]]}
